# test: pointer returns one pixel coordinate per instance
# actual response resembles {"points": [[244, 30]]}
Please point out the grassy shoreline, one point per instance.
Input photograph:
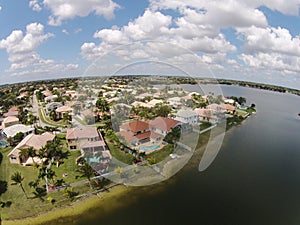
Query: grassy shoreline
{"points": [[73, 210]]}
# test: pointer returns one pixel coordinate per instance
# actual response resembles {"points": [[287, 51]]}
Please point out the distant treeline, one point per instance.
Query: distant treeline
{"points": [[176, 79], [260, 86]]}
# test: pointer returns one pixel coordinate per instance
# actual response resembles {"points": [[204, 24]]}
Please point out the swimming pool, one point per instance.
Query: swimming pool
{"points": [[149, 148], [3, 144], [94, 159]]}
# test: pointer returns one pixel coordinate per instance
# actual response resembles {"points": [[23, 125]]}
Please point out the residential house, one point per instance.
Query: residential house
{"points": [[187, 116], [229, 108], [175, 102], [31, 140], [135, 132], [50, 98], [47, 93], [9, 121], [163, 125], [53, 106], [63, 110], [11, 131], [206, 115], [85, 138], [13, 111]]}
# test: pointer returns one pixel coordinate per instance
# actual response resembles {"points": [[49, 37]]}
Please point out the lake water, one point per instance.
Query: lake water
{"points": [[255, 179]]}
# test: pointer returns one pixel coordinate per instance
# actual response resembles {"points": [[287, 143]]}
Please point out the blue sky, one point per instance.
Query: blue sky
{"points": [[256, 40]]}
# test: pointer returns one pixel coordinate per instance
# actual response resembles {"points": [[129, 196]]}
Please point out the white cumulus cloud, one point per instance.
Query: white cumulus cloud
{"points": [[69, 9], [22, 51], [35, 5]]}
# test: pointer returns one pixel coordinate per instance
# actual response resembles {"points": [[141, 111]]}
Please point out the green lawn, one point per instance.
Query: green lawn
{"points": [[119, 154], [47, 120], [241, 112], [22, 207], [161, 154]]}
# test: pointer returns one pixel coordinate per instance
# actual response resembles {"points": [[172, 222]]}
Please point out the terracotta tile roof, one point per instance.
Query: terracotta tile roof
{"points": [[13, 108], [143, 135], [11, 113], [64, 109], [82, 132], [87, 112], [163, 123], [10, 119], [92, 144], [228, 107], [33, 140], [135, 126], [127, 135]]}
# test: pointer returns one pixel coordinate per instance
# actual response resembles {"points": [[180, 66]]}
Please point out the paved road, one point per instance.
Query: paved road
{"points": [[35, 111]]}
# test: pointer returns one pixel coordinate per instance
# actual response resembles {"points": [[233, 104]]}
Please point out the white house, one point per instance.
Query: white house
{"points": [[187, 116], [14, 129]]}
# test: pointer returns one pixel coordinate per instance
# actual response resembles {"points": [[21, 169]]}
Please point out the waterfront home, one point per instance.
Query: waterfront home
{"points": [[85, 138], [206, 115], [229, 108], [135, 133], [10, 132], [31, 140], [9, 121], [163, 125], [187, 116]]}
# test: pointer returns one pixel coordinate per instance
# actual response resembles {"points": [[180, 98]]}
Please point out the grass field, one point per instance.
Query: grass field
{"points": [[21, 206]]}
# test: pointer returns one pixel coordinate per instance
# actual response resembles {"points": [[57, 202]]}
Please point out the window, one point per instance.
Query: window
{"points": [[73, 147]]}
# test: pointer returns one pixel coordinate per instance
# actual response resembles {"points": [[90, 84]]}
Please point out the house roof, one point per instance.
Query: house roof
{"points": [[13, 130], [127, 135], [87, 112], [64, 109], [82, 132], [11, 113], [135, 126], [228, 107], [58, 104], [33, 140], [185, 113], [143, 135], [13, 108], [163, 123], [93, 144], [11, 119]]}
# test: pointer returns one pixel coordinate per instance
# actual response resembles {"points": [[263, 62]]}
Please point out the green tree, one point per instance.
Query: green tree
{"points": [[86, 171], [102, 105], [53, 115], [17, 178], [173, 136], [23, 154], [18, 137], [31, 153]]}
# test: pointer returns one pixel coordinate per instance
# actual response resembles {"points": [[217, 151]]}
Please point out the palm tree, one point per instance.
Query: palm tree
{"points": [[23, 154], [31, 153], [86, 171], [17, 178]]}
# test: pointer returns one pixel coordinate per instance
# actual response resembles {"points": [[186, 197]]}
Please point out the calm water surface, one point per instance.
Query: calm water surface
{"points": [[254, 180]]}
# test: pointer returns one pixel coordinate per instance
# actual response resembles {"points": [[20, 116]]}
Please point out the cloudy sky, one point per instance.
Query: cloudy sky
{"points": [[256, 40]]}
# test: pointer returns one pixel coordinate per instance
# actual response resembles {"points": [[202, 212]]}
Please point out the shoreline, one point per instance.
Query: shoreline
{"points": [[81, 206], [73, 210]]}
